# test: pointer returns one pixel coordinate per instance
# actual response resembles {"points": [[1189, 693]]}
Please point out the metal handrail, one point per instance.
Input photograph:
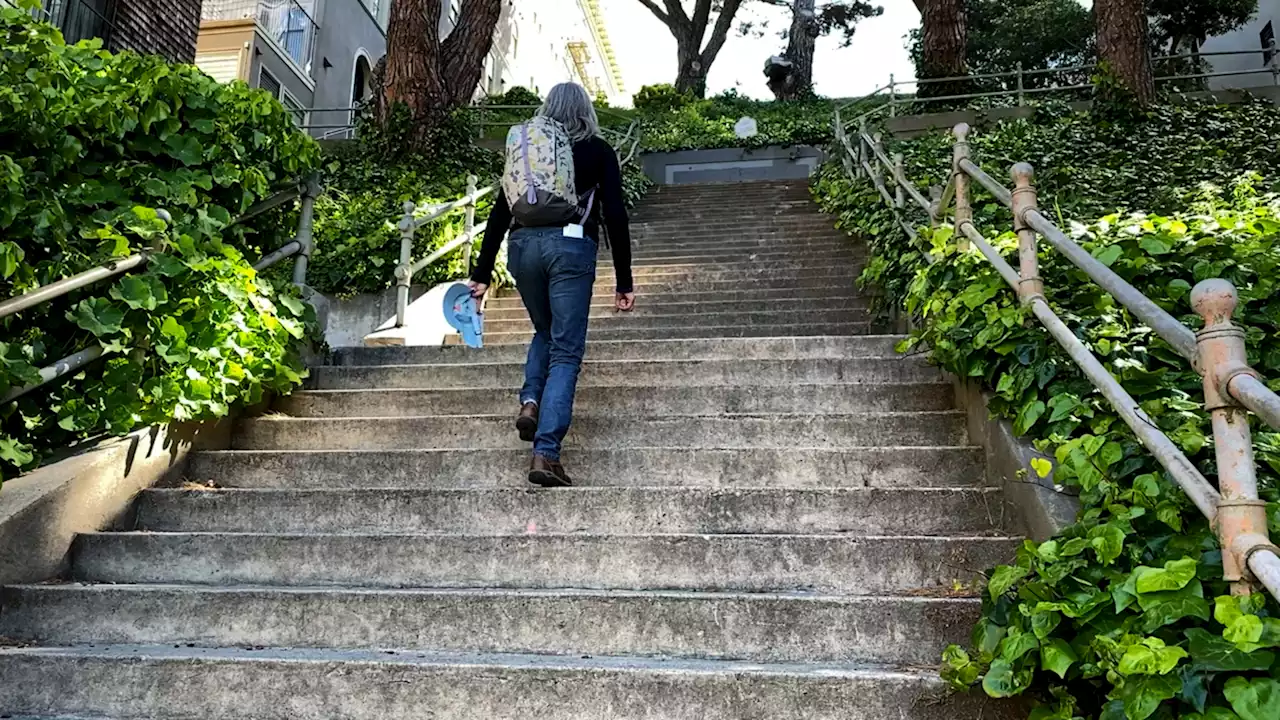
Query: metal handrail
{"points": [[1217, 352], [308, 189], [896, 97]]}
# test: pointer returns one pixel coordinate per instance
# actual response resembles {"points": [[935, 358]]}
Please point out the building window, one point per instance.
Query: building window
{"points": [[272, 84], [83, 19], [1268, 37]]}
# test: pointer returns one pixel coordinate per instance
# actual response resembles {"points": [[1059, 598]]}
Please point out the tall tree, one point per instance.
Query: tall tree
{"points": [[1123, 46], [430, 75], [1184, 25], [809, 21], [693, 57], [945, 45], [1034, 33]]}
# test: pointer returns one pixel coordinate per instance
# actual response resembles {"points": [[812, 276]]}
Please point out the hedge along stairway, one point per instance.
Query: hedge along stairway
{"points": [[765, 527]]}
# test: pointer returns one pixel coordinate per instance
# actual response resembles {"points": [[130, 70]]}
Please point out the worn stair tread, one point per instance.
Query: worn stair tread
{"points": [[941, 427], [691, 399], [742, 510], [895, 467], [824, 563], [761, 627], [638, 372], [851, 328], [777, 347]]}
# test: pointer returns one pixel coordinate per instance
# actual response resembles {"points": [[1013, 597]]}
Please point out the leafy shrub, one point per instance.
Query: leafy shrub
{"points": [[708, 124], [660, 98], [515, 96], [1124, 614], [95, 144]]}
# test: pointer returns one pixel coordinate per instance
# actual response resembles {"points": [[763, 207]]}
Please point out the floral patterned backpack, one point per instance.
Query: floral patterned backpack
{"points": [[538, 177]]}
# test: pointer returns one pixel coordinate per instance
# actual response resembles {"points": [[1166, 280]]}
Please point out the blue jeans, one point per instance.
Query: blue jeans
{"points": [[554, 275]]}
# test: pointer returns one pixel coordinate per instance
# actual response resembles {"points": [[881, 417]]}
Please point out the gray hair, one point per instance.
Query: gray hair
{"points": [[570, 105]]}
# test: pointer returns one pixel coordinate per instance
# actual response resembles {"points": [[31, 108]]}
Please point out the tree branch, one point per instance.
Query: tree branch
{"points": [[701, 16], [462, 53], [657, 11], [723, 23]]}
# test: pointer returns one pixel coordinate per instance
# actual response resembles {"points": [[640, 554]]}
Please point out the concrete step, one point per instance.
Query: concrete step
{"points": [[837, 279], [700, 331], [778, 348], [958, 511], [845, 302], [830, 564], [704, 215], [645, 251], [633, 373], [740, 269], [700, 317], [167, 683], [610, 430], [624, 400], [748, 253], [510, 299], [731, 626], [888, 467], [675, 232]]}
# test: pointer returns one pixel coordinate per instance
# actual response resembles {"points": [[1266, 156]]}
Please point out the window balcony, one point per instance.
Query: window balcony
{"points": [[290, 23]]}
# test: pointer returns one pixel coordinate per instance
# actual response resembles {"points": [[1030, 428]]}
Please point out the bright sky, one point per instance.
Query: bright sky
{"points": [[647, 52]]}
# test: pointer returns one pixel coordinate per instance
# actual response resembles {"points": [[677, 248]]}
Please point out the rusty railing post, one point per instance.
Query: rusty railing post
{"points": [[899, 172], [964, 207], [1030, 285], [404, 271], [469, 223], [1242, 517]]}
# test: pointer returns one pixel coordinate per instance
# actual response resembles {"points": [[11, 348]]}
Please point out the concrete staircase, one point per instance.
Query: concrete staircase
{"points": [[776, 518]]}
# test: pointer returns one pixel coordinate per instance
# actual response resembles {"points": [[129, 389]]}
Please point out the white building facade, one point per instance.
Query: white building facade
{"points": [[539, 43], [1257, 36]]}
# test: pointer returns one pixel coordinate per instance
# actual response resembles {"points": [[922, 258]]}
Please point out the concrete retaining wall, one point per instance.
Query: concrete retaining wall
{"points": [[732, 165], [42, 511]]}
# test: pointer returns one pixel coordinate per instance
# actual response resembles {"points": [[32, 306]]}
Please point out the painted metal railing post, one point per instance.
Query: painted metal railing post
{"points": [[964, 208], [1021, 86], [1242, 517], [893, 96], [862, 147], [404, 271], [935, 205], [306, 227], [469, 223], [899, 172], [1030, 286]]}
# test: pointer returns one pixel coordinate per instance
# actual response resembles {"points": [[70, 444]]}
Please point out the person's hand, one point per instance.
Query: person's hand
{"points": [[625, 301], [477, 289]]}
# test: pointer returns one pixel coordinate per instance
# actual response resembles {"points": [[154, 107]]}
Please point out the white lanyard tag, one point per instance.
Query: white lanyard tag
{"points": [[573, 231]]}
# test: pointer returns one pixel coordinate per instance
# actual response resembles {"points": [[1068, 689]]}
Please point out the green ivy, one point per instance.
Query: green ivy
{"points": [[96, 143], [1123, 615]]}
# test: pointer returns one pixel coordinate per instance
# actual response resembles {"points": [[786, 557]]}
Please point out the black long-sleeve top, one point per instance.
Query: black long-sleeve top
{"points": [[595, 165]]}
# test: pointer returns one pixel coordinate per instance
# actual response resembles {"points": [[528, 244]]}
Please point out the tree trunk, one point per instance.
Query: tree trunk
{"points": [[463, 53], [946, 40], [1122, 46], [410, 75], [691, 76], [801, 43]]}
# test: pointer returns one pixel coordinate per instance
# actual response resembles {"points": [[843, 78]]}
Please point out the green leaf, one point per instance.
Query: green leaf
{"points": [[1173, 576], [1002, 681], [1163, 608], [1257, 699], [1042, 467], [140, 292], [1213, 653], [1004, 578], [1057, 657], [1109, 255], [1107, 542], [11, 256], [16, 453], [1143, 694], [1155, 246], [1150, 657], [97, 315]]}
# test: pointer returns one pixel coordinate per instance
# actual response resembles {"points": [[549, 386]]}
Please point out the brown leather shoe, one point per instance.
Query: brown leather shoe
{"points": [[548, 473], [527, 421]]}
